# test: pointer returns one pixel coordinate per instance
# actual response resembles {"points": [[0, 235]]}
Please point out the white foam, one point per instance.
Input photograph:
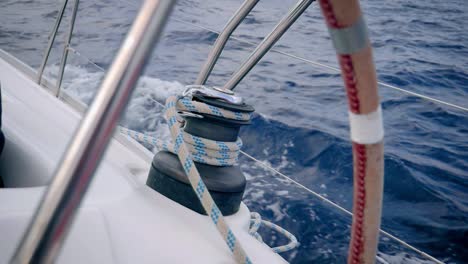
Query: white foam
{"points": [[276, 209], [144, 112]]}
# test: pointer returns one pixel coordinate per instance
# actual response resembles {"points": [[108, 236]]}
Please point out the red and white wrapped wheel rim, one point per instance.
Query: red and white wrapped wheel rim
{"points": [[349, 35]]}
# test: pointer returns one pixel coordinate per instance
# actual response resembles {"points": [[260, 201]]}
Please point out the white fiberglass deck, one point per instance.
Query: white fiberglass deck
{"points": [[121, 219]]}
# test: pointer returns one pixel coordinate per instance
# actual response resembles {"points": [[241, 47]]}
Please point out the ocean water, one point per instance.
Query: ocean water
{"points": [[301, 126]]}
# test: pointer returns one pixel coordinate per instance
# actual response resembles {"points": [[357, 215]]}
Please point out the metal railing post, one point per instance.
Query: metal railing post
{"points": [[51, 222], [267, 43], [65, 48], [52, 36], [220, 42]]}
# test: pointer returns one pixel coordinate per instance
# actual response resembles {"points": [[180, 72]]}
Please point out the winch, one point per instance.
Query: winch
{"points": [[204, 125]]}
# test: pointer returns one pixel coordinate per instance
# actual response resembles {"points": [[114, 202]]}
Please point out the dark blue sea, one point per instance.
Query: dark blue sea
{"points": [[301, 126]]}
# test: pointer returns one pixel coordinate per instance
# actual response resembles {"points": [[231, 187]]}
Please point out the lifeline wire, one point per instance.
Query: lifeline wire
{"points": [[311, 62], [326, 66], [321, 65], [342, 209]]}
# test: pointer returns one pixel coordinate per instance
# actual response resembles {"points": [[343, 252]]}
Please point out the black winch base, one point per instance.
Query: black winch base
{"points": [[182, 193]]}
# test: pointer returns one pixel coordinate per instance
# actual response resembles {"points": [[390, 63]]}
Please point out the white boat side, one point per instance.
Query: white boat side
{"points": [[121, 220]]}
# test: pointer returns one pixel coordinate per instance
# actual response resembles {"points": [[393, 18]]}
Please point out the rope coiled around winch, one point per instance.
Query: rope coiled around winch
{"points": [[216, 153], [187, 161], [190, 148]]}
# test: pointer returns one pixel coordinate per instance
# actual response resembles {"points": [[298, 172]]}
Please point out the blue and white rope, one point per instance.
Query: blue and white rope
{"points": [[198, 185], [257, 221]]}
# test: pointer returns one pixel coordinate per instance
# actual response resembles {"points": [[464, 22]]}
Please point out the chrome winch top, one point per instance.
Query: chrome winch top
{"points": [[213, 92]]}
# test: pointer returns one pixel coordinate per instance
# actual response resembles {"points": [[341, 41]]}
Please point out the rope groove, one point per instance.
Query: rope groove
{"points": [[357, 242], [185, 104]]}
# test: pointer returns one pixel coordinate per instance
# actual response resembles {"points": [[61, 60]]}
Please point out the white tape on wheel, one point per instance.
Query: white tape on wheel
{"points": [[367, 128]]}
